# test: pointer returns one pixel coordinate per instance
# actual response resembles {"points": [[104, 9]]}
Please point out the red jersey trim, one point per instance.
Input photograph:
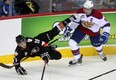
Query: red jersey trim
{"points": [[97, 14], [87, 31]]}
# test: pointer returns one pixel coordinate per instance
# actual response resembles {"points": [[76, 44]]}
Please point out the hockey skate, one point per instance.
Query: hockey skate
{"points": [[74, 61], [104, 58]]}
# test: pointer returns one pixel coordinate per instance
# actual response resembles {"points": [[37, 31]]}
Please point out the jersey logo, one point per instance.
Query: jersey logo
{"points": [[37, 41], [87, 24], [35, 50], [82, 16], [91, 19]]}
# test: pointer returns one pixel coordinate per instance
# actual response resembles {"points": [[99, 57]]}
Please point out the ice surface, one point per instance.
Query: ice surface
{"points": [[59, 70]]}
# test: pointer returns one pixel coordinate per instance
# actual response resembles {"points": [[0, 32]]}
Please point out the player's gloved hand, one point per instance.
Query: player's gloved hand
{"points": [[104, 37], [46, 57], [21, 71], [67, 31]]}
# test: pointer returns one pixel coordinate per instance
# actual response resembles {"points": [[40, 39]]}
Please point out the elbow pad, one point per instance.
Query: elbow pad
{"points": [[68, 20]]}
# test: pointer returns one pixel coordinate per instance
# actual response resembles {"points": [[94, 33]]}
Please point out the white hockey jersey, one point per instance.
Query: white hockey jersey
{"points": [[91, 24]]}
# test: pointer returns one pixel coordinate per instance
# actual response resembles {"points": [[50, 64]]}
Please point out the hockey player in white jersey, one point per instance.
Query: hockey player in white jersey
{"points": [[87, 21]]}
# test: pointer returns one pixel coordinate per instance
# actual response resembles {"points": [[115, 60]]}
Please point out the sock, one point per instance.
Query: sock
{"points": [[99, 50], [76, 54]]}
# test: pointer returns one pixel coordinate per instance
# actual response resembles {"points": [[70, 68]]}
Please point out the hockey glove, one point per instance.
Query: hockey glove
{"points": [[67, 31], [104, 37], [21, 71], [46, 57]]}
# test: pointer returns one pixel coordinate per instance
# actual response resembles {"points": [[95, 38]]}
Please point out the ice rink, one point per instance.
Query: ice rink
{"points": [[59, 70]]}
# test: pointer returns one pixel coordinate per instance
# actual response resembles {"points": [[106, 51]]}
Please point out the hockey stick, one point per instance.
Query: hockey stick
{"points": [[53, 41], [102, 74], [43, 71], [46, 63], [9, 67]]}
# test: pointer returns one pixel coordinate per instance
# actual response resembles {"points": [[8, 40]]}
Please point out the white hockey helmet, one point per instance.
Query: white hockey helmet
{"points": [[88, 4]]}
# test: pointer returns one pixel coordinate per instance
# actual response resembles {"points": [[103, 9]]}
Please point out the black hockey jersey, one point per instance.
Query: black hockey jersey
{"points": [[34, 48]]}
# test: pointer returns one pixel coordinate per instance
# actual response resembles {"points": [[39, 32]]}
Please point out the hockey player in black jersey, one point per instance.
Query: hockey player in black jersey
{"points": [[37, 46]]}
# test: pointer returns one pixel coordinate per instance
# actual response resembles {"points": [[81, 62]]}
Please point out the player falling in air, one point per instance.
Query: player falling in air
{"points": [[37, 46]]}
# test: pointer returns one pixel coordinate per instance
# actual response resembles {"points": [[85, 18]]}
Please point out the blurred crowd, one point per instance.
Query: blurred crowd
{"points": [[21, 7], [18, 7]]}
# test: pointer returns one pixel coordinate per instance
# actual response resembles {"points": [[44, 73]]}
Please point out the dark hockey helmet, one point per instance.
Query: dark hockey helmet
{"points": [[20, 38]]}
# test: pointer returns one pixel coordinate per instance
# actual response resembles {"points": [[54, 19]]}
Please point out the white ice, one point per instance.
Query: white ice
{"points": [[59, 70]]}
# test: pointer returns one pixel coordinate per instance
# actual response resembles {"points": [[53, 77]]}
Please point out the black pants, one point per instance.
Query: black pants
{"points": [[54, 54], [48, 36]]}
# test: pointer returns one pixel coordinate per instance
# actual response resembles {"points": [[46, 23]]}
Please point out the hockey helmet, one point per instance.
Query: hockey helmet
{"points": [[20, 38], [88, 4]]}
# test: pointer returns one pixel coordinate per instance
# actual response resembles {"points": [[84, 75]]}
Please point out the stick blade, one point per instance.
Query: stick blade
{"points": [[6, 66]]}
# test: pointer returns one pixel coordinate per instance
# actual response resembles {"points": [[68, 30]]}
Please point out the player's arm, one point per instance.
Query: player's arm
{"points": [[105, 25], [69, 23], [39, 42], [65, 22], [36, 41], [45, 54], [17, 58]]}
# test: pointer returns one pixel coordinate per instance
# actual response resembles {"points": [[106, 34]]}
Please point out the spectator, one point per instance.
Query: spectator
{"points": [[1, 5], [53, 7], [98, 2], [80, 2], [5, 8], [36, 6], [26, 7]]}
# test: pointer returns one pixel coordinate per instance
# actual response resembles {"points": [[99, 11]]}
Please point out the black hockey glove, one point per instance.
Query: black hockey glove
{"points": [[46, 57], [21, 71]]}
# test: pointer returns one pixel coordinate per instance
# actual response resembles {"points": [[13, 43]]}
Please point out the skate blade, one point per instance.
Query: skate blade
{"points": [[75, 65]]}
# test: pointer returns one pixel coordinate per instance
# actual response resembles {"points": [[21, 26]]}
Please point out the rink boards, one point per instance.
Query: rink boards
{"points": [[32, 26], [66, 52]]}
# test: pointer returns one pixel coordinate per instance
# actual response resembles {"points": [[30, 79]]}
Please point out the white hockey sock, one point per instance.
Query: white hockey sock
{"points": [[77, 56], [100, 52], [99, 49], [75, 49]]}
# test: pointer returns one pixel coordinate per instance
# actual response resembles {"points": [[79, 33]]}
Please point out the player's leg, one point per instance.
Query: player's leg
{"points": [[73, 43], [48, 35], [98, 46], [51, 52], [54, 54]]}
